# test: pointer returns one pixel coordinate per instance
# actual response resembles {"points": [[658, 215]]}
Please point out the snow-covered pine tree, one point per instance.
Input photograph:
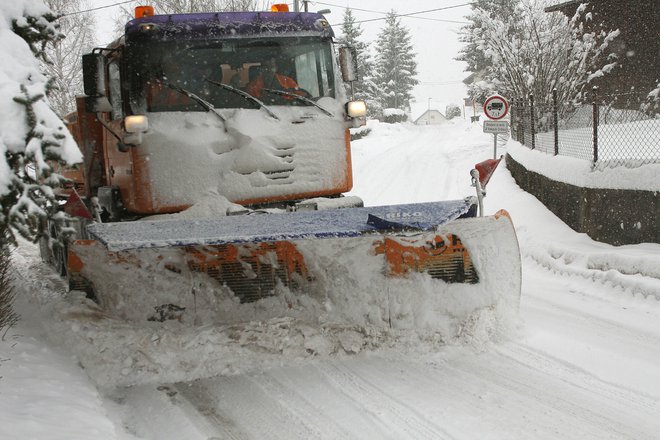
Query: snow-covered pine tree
{"points": [[395, 68], [31, 133], [364, 88], [473, 52], [64, 57]]}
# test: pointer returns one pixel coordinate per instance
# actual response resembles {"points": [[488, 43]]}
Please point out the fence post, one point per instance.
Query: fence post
{"points": [[521, 135], [595, 114], [512, 110], [555, 117], [532, 122]]}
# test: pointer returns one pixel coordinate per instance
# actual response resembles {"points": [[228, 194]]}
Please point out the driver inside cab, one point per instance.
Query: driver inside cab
{"points": [[270, 78]]}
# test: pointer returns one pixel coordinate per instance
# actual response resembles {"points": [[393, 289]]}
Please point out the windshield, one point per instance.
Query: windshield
{"points": [[260, 67]]}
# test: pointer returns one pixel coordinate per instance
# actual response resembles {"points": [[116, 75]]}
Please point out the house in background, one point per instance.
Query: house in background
{"points": [[431, 117], [637, 48]]}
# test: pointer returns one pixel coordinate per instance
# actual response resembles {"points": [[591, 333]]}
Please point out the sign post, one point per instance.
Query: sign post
{"points": [[496, 108]]}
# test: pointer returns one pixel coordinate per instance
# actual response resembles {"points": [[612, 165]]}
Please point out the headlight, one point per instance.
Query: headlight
{"points": [[136, 123], [356, 109]]}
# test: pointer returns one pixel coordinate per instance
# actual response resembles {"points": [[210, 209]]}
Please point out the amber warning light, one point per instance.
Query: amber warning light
{"points": [[144, 11], [280, 7]]}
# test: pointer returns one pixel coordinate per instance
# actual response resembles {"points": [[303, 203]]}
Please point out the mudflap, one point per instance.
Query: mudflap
{"points": [[464, 274]]}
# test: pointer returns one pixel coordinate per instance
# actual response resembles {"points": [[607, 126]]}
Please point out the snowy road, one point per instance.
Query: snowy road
{"points": [[584, 364], [584, 367]]}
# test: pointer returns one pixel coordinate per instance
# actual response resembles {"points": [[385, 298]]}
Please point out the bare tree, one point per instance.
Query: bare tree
{"points": [[64, 57]]}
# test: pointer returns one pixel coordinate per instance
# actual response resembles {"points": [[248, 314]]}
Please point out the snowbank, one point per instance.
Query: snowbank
{"points": [[579, 172]]}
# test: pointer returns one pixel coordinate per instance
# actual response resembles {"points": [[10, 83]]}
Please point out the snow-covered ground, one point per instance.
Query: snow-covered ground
{"points": [[582, 362], [618, 142]]}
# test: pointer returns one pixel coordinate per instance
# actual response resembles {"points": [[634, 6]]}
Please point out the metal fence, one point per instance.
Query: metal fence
{"points": [[611, 130]]}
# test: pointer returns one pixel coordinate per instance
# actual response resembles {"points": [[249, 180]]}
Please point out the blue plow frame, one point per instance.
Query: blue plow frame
{"points": [[259, 228]]}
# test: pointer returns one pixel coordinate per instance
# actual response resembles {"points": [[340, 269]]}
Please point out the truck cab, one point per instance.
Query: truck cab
{"points": [[248, 105]]}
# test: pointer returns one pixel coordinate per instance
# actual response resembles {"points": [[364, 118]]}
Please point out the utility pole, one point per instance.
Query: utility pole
{"points": [[306, 2], [296, 6], [428, 113]]}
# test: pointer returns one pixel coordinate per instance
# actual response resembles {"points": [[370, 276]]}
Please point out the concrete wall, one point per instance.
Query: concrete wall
{"points": [[612, 216]]}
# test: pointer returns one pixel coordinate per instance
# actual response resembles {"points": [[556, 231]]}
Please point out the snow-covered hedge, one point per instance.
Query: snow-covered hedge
{"points": [[394, 115]]}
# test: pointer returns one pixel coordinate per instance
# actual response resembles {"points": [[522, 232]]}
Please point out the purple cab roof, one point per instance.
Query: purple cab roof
{"points": [[227, 24]]}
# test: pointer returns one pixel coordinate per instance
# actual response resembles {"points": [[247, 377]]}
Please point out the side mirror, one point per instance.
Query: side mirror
{"points": [[94, 83], [348, 63]]}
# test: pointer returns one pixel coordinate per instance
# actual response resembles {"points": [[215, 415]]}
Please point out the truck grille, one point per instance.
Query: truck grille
{"points": [[442, 257], [250, 271]]}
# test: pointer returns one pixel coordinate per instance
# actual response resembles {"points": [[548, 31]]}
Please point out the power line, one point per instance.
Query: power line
{"points": [[439, 83], [97, 8], [409, 15]]}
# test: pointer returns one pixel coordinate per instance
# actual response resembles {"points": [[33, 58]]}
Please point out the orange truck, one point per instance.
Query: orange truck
{"points": [[190, 173]]}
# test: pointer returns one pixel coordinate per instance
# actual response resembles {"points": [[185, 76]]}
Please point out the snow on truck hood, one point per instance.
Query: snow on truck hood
{"points": [[251, 155]]}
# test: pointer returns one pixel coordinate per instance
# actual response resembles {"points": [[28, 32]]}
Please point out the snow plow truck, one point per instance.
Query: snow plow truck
{"points": [[216, 158]]}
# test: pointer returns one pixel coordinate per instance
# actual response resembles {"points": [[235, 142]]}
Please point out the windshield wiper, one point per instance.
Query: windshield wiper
{"points": [[202, 102], [245, 95], [300, 98]]}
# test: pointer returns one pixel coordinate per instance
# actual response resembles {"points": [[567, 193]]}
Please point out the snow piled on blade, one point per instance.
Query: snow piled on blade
{"points": [[347, 306]]}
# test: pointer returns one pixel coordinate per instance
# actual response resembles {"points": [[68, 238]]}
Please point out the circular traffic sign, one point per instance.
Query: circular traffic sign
{"points": [[496, 107]]}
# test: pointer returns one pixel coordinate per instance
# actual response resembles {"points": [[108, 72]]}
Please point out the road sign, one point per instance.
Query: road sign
{"points": [[496, 127], [496, 107]]}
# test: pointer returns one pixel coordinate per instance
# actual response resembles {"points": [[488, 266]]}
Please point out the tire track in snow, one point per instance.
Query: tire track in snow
{"points": [[254, 413], [198, 403], [618, 330], [515, 393], [532, 358], [402, 419], [296, 398], [598, 409], [598, 333], [333, 402]]}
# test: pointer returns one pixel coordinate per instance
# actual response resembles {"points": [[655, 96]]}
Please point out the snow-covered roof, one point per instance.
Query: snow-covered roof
{"points": [[560, 6], [428, 113]]}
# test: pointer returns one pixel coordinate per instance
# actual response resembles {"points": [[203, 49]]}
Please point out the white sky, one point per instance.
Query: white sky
{"points": [[436, 42]]}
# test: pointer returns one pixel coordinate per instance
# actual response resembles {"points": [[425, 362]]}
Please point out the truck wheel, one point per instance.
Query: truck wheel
{"points": [[45, 252], [59, 253]]}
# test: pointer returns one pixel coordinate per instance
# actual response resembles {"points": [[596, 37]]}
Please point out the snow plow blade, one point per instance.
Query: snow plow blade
{"points": [[426, 266]]}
